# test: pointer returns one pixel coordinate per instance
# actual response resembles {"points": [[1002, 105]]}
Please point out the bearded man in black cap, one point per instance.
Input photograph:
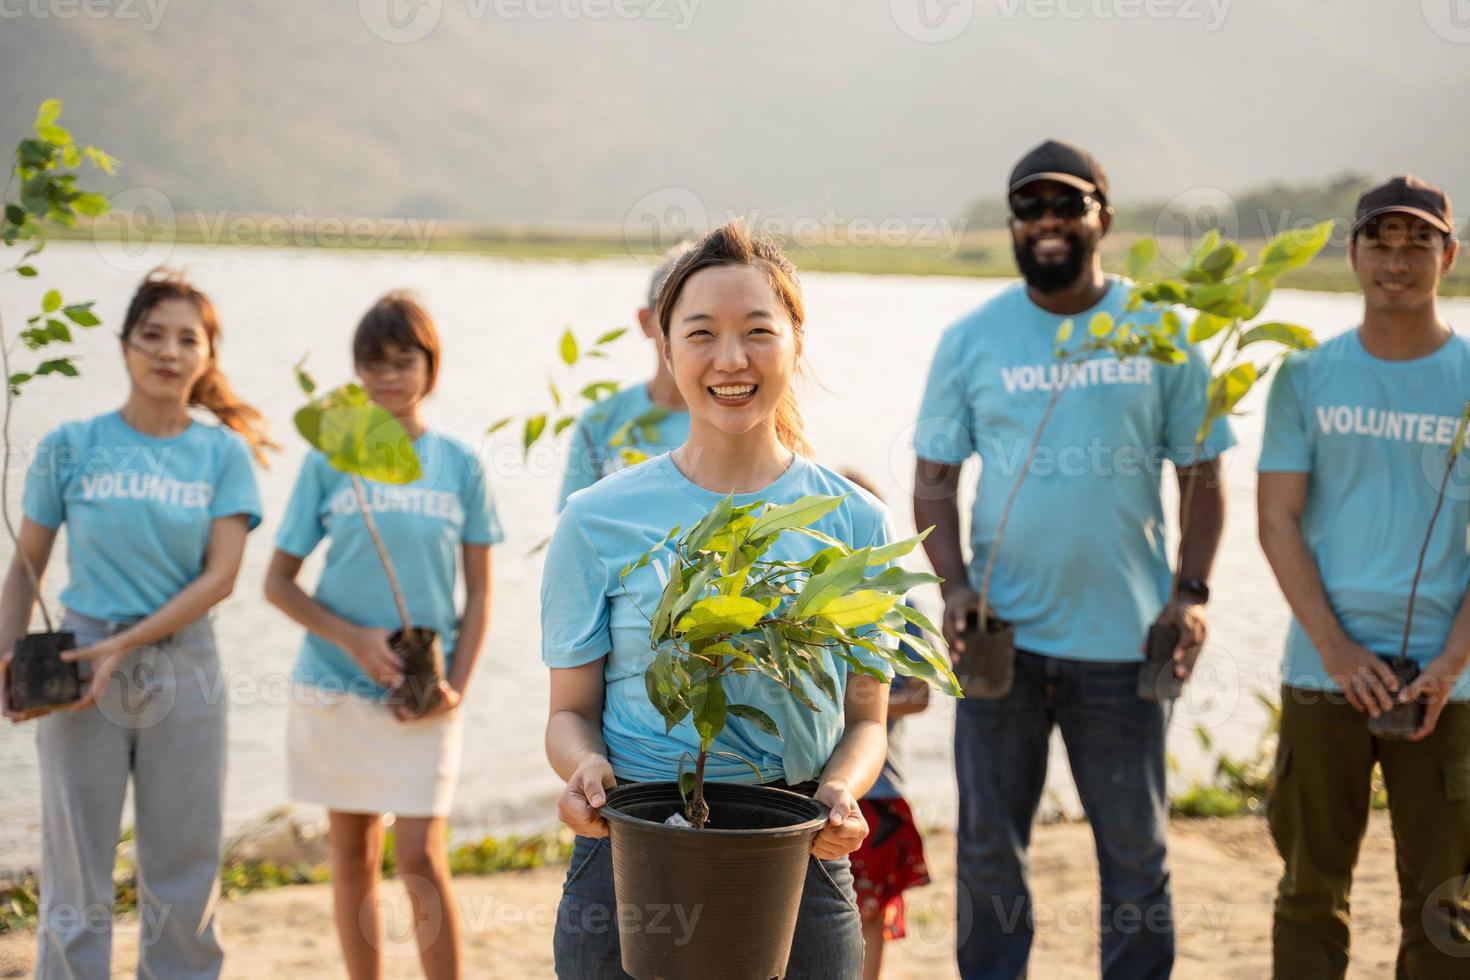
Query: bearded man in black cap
{"points": [[1082, 572]]}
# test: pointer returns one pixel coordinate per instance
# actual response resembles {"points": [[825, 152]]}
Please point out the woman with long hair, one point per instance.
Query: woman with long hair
{"points": [[732, 320], [350, 747], [156, 506]]}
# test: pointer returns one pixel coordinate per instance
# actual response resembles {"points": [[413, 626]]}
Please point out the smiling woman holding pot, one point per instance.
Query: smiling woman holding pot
{"points": [[352, 746], [731, 318], [156, 506]]}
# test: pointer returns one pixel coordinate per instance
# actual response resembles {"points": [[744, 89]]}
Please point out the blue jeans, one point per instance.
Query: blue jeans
{"points": [[1115, 743], [829, 934]]}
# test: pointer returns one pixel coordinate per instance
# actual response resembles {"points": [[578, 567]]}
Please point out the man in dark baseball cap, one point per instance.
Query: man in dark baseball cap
{"points": [[1061, 163], [1358, 432], [1078, 623]]}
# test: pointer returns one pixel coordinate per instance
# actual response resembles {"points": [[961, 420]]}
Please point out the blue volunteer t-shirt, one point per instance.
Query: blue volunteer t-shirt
{"points": [[423, 524], [1083, 567], [137, 508], [588, 615], [590, 456], [1374, 436]]}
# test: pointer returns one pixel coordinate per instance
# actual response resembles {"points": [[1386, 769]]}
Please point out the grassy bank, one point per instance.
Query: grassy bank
{"points": [[983, 254]]}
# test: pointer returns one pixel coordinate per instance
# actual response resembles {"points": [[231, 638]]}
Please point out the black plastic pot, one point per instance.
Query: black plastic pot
{"points": [[40, 681], [1404, 719], [423, 668], [713, 904], [1156, 679], [988, 663]]}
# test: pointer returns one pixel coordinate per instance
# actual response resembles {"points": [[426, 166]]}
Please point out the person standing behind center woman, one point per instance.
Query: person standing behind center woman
{"points": [[348, 751], [156, 507], [731, 314], [591, 454]]}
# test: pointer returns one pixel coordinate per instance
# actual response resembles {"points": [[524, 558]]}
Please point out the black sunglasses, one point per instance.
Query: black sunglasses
{"points": [[1066, 205]]}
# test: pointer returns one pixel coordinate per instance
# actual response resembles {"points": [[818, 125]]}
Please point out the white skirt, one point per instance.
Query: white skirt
{"points": [[350, 754]]}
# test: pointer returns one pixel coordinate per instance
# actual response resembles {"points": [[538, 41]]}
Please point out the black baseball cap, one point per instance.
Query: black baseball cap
{"points": [[1064, 163], [1406, 194]]}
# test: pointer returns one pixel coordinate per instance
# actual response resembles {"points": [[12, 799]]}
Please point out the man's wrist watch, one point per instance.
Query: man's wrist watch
{"points": [[1195, 588]]}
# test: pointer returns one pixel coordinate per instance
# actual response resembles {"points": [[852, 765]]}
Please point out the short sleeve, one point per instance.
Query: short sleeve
{"points": [[302, 528], [235, 487], [481, 524], [581, 470], [575, 602], [1286, 445], [44, 499], [1186, 390], [945, 432]]}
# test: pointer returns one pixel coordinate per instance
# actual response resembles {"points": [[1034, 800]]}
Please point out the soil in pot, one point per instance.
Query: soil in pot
{"points": [[40, 681], [718, 903], [988, 664], [1156, 678], [1404, 719], [423, 668]]}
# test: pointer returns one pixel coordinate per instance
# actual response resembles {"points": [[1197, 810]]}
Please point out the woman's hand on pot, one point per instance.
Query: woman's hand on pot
{"points": [[446, 699], [585, 792], [369, 647], [104, 656], [846, 829]]}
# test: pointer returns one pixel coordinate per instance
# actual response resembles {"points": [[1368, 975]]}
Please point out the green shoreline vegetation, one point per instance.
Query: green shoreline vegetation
{"points": [[982, 254]]}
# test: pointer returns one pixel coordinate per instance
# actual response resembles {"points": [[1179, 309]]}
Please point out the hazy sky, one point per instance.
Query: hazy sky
{"points": [[588, 110]]}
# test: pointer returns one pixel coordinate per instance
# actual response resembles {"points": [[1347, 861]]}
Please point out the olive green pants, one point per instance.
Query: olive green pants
{"points": [[1318, 812]]}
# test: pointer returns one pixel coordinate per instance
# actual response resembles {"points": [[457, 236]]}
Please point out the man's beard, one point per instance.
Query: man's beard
{"points": [[1052, 277]]}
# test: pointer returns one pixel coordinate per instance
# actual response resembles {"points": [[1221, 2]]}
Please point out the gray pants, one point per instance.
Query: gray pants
{"points": [[162, 720]]}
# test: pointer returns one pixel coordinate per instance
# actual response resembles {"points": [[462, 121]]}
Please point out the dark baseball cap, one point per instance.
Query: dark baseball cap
{"points": [[1406, 194], [1064, 163]]}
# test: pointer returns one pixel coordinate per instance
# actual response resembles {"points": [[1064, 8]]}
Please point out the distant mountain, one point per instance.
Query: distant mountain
{"points": [[818, 108]]}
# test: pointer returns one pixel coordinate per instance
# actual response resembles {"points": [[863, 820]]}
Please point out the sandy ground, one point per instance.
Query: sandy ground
{"points": [[1224, 879]]}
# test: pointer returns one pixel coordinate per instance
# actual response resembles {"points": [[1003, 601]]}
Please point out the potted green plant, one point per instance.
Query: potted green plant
{"points": [[1406, 718], [1226, 296], [360, 438], [987, 663], [46, 173], [730, 609], [571, 398]]}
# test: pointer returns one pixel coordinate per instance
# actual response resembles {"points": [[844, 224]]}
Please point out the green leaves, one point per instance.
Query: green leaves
{"points": [[1141, 257], [807, 510], [730, 607], [755, 716], [842, 575], [571, 352], [1291, 250], [857, 609], [48, 196], [1286, 334], [358, 436]]}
